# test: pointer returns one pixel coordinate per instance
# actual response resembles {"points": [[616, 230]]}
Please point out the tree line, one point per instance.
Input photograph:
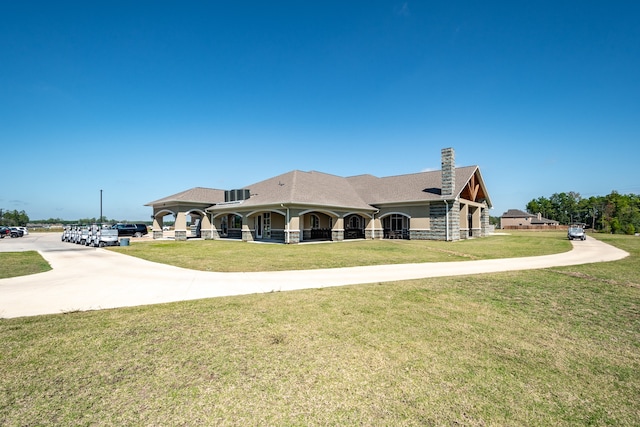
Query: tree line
{"points": [[614, 213], [93, 220], [13, 218]]}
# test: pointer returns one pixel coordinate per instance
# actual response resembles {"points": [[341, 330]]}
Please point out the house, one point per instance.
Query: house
{"points": [[297, 206], [515, 218]]}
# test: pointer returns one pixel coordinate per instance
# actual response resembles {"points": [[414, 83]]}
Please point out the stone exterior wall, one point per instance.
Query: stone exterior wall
{"points": [[419, 234], [373, 234], [438, 215], [484, 222], [454, 221], [437, 212], [337, 235], [448, 171]]}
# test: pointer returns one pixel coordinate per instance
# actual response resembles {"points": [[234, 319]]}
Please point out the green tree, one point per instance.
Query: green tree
{"points": [[14, 218]]}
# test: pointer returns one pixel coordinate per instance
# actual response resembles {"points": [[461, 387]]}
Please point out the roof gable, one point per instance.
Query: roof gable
{"points": [[422, 186]]}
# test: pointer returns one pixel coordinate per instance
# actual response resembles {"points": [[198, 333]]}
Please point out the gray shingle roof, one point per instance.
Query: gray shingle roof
{"points": [[304, 188], [421, 186], [193, 195], [516, 213], [356, 192]]}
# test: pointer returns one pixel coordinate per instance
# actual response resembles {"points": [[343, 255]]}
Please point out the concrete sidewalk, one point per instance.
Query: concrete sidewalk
{"points": [[91, 279]]}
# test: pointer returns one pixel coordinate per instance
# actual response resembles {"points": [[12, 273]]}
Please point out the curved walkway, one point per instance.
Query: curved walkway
{"points": [[91, 279]]}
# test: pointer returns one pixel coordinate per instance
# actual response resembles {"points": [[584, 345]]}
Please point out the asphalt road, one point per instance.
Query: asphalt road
{"points": [[91, 278]]}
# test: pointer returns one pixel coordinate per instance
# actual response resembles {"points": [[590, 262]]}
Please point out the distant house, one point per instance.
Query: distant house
{"points": [[515, 218], [297, 206]]}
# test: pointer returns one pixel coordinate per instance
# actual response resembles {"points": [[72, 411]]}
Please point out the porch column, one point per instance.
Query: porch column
{"points": [[181, 226], [215, 232], [465, 231], [157, 227], [295, 227], [373, 229], [454, 213], [247, 235], [205, 228], [337, 233], [484, 220]]}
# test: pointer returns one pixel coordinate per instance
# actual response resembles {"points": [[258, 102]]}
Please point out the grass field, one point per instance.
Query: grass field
{"points": [[14, 264], [559, 346], [221, 255]]}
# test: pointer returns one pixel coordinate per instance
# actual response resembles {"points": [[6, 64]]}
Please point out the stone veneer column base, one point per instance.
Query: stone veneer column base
{"points": [[206, 234], [419, 234], [158, 234], [181, 235], [294, 237]]}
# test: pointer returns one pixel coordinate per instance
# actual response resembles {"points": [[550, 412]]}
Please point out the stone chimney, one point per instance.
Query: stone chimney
{"points": [[448, 172]]}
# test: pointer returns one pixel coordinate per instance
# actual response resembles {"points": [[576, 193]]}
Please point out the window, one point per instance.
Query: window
{"points": [[396, 222], [354, 222], [315, 221], [236, 221]]}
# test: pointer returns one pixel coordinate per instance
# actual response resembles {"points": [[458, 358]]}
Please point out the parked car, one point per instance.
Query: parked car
{"points": [[576, 232], [24, 230], [136, 230], [4, 232], [16, 232]]}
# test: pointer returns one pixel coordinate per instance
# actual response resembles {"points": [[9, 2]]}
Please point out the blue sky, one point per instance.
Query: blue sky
{"points": [[145, 99]]}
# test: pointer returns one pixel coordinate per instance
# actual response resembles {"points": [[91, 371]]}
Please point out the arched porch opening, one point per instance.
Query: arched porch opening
{"points": [[196, 222], [316, 226], [228, 226], [396, 225], [354, 226], [162, 220], [268, 225], [470, 220]]}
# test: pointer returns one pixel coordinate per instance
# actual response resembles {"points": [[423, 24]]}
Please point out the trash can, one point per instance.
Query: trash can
{"points": [[124, 241]]}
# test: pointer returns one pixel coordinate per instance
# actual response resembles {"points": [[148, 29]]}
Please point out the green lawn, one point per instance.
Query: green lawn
{"points": [[559, 346], [224, 255], [13, 264]]}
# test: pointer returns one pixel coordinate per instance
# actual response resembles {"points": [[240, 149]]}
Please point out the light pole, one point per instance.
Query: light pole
{"points": [[100, 220]]}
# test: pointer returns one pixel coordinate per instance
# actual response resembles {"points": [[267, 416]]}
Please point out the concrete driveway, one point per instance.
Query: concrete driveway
{"points": [[91, 279]]}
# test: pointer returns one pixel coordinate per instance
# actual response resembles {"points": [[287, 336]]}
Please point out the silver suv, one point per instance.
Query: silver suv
{"points": [[576, 232]]}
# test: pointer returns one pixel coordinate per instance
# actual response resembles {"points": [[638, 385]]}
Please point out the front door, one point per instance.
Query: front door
{"points": [[267, 225], [259, 227]]}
